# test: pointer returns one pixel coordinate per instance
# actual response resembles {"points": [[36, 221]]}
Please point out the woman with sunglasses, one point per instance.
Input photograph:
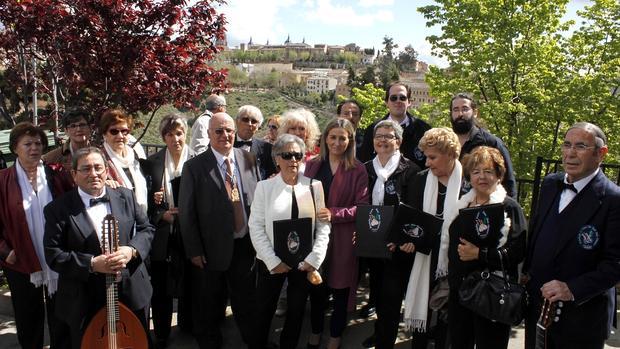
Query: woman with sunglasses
{"points": [[302, 123], [345, 183], [25, 189], [273, 123], [287, 195], [123, 162]]}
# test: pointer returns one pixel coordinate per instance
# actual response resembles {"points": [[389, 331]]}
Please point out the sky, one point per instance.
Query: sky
{"points": [[338, 22]]}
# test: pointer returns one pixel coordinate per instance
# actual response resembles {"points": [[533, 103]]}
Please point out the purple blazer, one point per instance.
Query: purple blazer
{"points": [[349, 189]]}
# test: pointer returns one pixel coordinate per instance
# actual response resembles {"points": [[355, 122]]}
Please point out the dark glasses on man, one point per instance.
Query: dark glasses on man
{"points": [[249, 120], [394, 98], [115, 131], [220, 131], [292, 154]]}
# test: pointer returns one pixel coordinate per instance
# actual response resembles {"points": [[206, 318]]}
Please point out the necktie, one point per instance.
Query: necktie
{"points": [[100, 200], [233, 195], [569, 187]]}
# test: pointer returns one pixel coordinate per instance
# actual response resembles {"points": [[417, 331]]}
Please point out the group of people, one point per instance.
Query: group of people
{"points": [[196, 222]]}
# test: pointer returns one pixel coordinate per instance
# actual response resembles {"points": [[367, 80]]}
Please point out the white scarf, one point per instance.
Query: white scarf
{"points": [[383, 173], [418, 289], [130, 162], [33, 202], [171, 172]]}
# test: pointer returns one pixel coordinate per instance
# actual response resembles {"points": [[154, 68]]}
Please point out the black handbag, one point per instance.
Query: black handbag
{"points": [[493, 296]]}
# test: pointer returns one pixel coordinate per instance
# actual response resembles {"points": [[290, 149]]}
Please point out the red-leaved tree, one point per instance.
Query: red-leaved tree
{"points": [[136, 54]]}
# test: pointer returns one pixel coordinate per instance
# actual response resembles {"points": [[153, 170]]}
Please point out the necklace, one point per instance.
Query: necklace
{"points": [[480, 204]]}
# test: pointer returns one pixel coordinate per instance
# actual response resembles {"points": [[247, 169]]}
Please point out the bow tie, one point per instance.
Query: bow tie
{"points": [[242, 143], [565, 185], [100, 200]]}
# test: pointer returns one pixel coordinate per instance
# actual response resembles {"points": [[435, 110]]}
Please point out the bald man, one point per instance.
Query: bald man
{"points": [[217, 188]]}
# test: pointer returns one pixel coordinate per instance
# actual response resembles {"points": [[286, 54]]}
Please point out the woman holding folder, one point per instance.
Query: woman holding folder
{"points": [[434, 191], [484, 168], [286, 196], [388, 175]]}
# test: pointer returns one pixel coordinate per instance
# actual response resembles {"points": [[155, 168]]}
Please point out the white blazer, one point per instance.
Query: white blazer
{"points": [[272, 202]]}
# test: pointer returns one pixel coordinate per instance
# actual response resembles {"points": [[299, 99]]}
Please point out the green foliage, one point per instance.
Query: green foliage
{"points": [[532, 82], [371, 99], [388, 70]]}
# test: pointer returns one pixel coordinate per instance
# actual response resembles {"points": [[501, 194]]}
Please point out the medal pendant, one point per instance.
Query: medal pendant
{"points": [[234, 195]]}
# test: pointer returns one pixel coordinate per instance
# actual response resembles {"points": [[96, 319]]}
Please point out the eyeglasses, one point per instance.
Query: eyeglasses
{"points": [[394, 98], [292, 154], [86, 170], [115, 131], [386, 137], [220, 131], [77, 126], [273, 127], [579, 147], [249, 120], [462, 110]]}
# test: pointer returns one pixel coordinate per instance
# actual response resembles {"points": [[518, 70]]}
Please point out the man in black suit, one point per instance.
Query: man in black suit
{"points": [[398, 100], [573, 251], [217, 188], [73, 228], [249, 118]]}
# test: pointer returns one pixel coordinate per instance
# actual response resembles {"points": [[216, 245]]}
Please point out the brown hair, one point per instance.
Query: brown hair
{"points": [[349, 153], [484, 155], [114, 116], [25, 129]]}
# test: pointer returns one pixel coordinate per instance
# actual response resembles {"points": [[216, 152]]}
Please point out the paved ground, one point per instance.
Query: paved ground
{"points": [[357, 330]]}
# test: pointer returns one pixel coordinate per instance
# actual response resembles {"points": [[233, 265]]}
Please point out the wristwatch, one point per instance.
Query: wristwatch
{"points": [[134, 252]]}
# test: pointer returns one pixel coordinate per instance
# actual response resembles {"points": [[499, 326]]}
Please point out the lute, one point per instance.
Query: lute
{"points": [[549, 313], [114, 326]]}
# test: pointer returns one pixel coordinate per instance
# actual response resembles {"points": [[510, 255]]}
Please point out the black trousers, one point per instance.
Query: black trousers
{"points": [[467, 329], [269, 286], [161, 302], [30, 304], [209, 297]]}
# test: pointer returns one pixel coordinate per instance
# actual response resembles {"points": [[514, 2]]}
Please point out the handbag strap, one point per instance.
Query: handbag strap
{"points": [[502, 254]]}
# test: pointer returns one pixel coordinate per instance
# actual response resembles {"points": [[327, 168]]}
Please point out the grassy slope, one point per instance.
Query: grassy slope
{"points": [[269, 102]]}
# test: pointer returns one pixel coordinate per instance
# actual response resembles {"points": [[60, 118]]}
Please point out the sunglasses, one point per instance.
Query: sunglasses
{"points": [[394, 98], [115, 131], [77, 126], [249, 120], [220, 131], [292, 154], [273, 127]]}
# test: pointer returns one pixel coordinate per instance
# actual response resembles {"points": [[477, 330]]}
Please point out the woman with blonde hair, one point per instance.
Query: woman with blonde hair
{"points": [[302, 123]]}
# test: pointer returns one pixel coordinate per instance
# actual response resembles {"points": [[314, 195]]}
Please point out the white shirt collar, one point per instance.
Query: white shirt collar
{"points": [[219, 157], [580, 184], [239, 139], [86, 197], [404, 123]]}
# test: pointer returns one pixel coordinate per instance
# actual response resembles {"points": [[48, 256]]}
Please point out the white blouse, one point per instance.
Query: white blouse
{"points": [[272, 202]]}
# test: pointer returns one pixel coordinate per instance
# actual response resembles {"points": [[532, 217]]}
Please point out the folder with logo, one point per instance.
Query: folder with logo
{"points": [[415, 226], [482, 225], [292, 239], [372, 224]]}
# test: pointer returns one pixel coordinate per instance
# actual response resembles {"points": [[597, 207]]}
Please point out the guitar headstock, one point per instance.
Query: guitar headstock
{"points": [[109, 234], [550, 313]]}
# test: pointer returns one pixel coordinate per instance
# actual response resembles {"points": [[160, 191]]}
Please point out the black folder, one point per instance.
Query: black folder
{"points": [[372, 224], [175, 183], [416, 226], [482, 225], [292, 240]]}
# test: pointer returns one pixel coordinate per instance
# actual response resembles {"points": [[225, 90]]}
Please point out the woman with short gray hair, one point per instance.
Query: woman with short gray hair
{"points": [[287, 195]]}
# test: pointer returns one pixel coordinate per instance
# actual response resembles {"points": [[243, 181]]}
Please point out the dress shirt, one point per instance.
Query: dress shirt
{"points": [[568, 195], [221, 164], [403, 124], [96, 213]]}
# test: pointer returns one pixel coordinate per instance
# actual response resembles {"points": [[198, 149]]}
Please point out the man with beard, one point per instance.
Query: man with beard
{"points": [[464, 111], [398, 100]]}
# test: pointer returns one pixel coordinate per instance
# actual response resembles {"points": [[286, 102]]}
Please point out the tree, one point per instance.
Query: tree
{"points": [[368, 77], [371, 98], [138, 54], [512, 56], [407, 59], [388, 71], [351, 77]]}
